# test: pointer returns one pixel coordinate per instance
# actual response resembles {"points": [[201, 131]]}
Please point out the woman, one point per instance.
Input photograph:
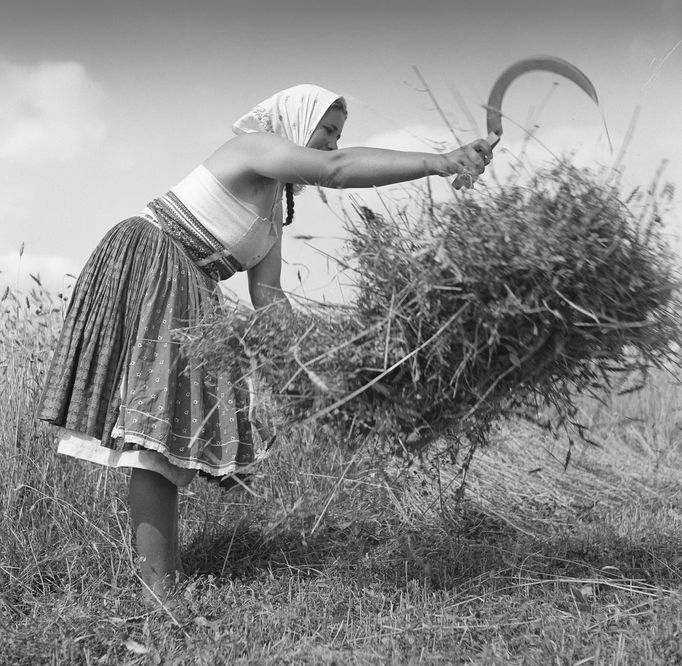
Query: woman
{"points": [[119, 387]]}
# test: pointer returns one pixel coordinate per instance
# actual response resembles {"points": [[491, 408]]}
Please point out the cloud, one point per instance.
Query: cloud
{"points": [[49, 111], [56, 273], [417, 137]]}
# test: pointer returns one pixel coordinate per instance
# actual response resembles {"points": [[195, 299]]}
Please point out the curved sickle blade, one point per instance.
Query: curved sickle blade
{"points": [[534, 63]]}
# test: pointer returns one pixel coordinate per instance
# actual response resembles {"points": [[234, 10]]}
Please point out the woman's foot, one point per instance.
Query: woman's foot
{"points": [[162, 593]]}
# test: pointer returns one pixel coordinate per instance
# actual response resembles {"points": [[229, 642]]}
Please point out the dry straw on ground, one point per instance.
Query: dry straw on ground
{"points": [[470, 311]]}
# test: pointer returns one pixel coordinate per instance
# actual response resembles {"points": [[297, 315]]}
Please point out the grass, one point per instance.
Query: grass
{"points": [[334, 560], [553, 552]]}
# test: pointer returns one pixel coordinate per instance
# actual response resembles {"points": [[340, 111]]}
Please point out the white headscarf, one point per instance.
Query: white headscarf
{"points": [[292, 113]]}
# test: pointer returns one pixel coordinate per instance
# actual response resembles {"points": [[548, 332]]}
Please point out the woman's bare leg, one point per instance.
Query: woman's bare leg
{"points": [[176, 542], [154, 514]]}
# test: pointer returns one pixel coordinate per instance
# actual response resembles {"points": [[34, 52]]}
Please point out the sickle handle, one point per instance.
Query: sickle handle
{"points": [[464, 180]]}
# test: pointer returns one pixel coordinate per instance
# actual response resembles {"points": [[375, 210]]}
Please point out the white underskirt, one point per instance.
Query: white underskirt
{"points": [[78, 445]]}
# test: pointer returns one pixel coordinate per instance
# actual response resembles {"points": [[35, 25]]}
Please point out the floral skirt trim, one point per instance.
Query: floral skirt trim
{"points": [[77, 445]]}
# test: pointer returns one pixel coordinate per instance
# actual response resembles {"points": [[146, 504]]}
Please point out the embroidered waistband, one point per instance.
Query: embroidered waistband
{"points": [[201, 246]]}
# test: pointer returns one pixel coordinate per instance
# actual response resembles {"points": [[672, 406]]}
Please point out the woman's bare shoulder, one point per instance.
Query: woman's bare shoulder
{"points": [[252, 141], [242, 152], [232, 164]]}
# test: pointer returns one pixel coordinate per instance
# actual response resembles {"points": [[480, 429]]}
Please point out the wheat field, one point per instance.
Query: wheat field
{"points": [[338, 557]]}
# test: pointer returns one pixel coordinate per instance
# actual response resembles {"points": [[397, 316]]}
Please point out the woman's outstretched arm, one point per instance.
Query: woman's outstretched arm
{"points": [[270, 156]]}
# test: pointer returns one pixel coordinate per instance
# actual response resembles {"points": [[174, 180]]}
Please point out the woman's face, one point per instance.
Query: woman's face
{"points": [[328, 131]]}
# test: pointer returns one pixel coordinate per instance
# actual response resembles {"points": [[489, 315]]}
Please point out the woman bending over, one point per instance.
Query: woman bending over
{"points": [[120, 389]]}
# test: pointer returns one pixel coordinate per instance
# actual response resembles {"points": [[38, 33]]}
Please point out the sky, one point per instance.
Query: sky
{"points": [[105, 105]]}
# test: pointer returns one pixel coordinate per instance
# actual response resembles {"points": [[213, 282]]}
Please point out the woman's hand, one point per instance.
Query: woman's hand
{"points": [[469, 162]]}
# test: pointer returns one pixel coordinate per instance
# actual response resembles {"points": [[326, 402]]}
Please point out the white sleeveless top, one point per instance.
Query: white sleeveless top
{"points": [[246, 235]]}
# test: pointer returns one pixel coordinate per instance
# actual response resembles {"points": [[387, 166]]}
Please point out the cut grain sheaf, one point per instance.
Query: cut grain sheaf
{"points": [[470, 312]]}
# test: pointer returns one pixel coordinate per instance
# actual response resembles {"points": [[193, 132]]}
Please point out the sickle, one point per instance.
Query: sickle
{"points": [[534, 63]]}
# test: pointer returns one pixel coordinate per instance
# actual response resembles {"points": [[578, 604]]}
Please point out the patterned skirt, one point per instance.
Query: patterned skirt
{"points": [[120, 385]]}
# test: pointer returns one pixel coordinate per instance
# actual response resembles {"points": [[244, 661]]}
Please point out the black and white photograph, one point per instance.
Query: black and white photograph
{"points": [[341, 333]]}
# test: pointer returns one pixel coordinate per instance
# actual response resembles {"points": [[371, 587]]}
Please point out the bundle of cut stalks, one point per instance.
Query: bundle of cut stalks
{"points": [[472, 311]]}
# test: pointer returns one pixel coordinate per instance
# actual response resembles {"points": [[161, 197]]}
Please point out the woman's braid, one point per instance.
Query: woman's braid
{"points": [[289, 189]]}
